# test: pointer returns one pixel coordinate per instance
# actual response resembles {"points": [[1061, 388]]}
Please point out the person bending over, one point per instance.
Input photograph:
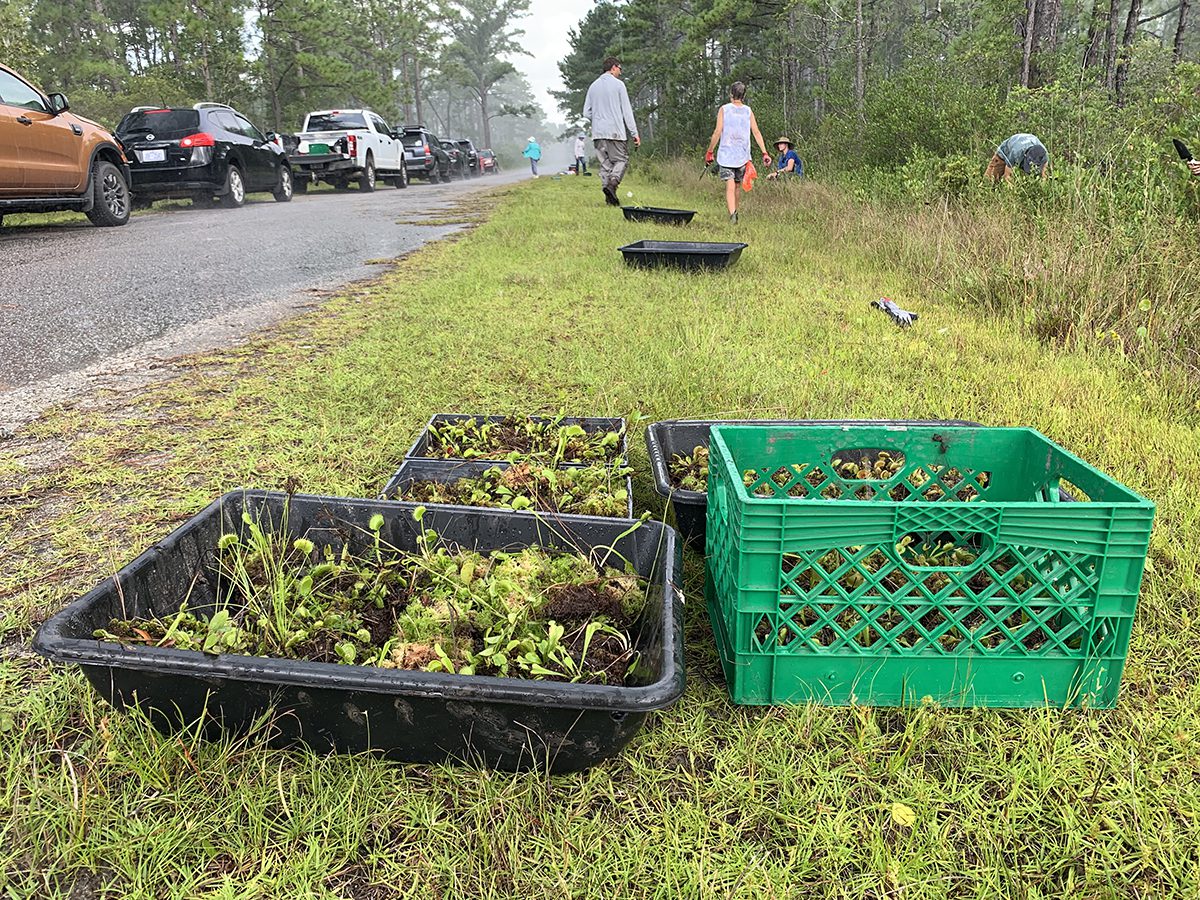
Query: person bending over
{"points": [[1021, 151]]}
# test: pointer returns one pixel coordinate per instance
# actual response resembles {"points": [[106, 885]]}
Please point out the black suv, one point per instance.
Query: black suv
{"points": [[471, 154], [423, 154], [209, 149], [458, 159]]}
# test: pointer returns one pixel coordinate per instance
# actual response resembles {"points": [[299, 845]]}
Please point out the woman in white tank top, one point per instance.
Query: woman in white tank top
{"points": [[735, 124]]}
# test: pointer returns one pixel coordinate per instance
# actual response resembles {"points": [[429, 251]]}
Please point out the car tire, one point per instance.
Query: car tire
{"points": [[110, 196], [341, 185], [285, 184], [401, 181], [366, 183], [300, 185], [235, 188]]}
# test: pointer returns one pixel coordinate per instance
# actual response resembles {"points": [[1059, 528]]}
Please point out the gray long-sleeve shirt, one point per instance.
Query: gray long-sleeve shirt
{"points": [[607, 108]]}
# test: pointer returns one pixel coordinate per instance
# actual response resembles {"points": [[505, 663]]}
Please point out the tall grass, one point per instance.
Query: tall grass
{"points": [[1082, 260]]}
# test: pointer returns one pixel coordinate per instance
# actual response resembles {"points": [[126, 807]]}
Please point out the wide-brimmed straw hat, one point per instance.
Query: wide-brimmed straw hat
{"points": [[783, 140]]}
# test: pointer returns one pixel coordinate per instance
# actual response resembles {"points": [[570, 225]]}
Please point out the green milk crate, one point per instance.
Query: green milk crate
{"points": [[881, 565]]}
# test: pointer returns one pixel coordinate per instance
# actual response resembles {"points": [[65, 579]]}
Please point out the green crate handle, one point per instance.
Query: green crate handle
{"points": [[963, 518]]}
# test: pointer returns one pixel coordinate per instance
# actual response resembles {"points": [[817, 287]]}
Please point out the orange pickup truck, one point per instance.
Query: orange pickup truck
{"points": [[53, 160]]}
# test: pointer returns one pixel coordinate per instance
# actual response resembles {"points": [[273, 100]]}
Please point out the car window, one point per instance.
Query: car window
{"points": [[162, 123], [246, 127], [336, 121], [225, 121], [380, 125], [414, 138], [15, 92]]}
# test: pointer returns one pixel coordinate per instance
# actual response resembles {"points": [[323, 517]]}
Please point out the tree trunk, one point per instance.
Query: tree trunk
{"points": [[417, 86], [1131, 24], [860, 85], [1110, 46], [1095, 35], [1028, 44], [483, 114], [1181, 29]]}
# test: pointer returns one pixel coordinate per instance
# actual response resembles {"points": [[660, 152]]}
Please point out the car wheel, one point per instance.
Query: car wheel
{"points": [[401, 181], [366, 183], [341, 185], [235, 189], [284, 186], [1, 221], [110, 196]]}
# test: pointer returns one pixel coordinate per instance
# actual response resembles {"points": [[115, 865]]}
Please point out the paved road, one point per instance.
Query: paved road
{"points": [[74, 296]]}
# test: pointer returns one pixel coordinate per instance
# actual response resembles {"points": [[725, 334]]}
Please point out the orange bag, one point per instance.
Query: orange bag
{"points": [[748, 177]]}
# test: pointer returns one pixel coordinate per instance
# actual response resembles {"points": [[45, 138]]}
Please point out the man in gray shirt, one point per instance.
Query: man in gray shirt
{"points": [[607, 108]]}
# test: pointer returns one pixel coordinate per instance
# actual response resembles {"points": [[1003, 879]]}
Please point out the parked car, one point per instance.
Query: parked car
{"points": [[52, 159], [458, 159], [424, 154], [472, 155], [344, 145], [488, 164], [202, 151]]}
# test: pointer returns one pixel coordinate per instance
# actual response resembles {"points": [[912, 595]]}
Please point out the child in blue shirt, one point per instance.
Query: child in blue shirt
{"points": [[789, 160]]}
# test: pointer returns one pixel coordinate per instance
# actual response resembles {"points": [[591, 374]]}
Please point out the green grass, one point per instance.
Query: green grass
{"points": [[533, 310]]}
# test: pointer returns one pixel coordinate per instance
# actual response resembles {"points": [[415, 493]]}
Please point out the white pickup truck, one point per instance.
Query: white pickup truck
{"points": [[344, 145]]}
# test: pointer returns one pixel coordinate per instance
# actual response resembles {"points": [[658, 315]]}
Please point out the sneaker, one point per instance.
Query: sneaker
{"points": [[610, 197], [733, 218]]}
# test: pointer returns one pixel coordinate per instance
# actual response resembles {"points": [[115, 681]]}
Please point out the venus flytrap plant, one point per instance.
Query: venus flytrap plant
{"points": [[527, 613]]}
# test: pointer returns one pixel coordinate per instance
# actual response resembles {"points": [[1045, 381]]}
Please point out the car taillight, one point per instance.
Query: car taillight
{"points": [[203, 139], [426, 149]]}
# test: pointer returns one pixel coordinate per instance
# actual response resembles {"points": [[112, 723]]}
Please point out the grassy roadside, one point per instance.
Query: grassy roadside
{"points": [[534, 310]]}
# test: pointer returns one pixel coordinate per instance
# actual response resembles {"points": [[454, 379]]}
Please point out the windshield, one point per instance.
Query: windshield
{"points": [[335, 121], [160, 122]]}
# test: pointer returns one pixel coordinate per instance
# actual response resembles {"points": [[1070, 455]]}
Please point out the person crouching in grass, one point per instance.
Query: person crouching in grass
{"points": [[735, 124], [1021, 151]]}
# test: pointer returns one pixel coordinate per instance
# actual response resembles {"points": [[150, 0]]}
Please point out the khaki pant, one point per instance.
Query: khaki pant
{"points": [[614, 156], [996, 168]]}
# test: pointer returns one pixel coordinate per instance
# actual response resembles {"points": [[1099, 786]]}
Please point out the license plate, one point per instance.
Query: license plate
{"points": [[154, 156]]}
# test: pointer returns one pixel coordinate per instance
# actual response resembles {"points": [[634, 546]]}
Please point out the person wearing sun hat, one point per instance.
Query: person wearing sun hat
{"points": [[789, 162]]}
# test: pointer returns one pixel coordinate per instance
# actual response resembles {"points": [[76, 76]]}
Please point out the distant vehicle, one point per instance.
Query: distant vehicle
{"points": [[424, 154], [52, 160], [343, 145], [472, 155], [488, 164], [203, 151], [458, 159]]}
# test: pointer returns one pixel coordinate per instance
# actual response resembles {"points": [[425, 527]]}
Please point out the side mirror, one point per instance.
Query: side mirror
{"points": [[272, 137], [58, 103]]}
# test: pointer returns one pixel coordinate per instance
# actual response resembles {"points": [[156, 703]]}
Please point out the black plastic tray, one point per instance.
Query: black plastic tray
{"points": [[444, 470], [420, 447], [658, 215], [682, 436], [688, 255], [505, 723]]}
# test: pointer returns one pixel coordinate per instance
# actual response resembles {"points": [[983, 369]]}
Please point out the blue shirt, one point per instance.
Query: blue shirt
{"points": [[797, 169]]}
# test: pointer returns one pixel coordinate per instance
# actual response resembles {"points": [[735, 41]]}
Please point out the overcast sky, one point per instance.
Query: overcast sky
{"points": [[546, 29]]}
